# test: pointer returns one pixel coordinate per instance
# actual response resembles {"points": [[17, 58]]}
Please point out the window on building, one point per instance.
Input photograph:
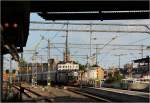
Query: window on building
{"points": [[59, 66]]}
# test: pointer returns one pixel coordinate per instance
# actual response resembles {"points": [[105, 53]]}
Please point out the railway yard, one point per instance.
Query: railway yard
{"points": [[76, 94], [88, 51]]}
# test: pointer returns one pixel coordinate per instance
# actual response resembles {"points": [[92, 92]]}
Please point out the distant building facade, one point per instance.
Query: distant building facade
{"points": [[138, 71], [109, 71], [93, 73], [68, 66], [6, 75]]}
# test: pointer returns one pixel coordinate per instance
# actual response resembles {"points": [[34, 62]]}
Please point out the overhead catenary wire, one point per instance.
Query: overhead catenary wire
{"points": [[139, 40], [136, 42], [57, 33], [102, 24], [86, 44]]}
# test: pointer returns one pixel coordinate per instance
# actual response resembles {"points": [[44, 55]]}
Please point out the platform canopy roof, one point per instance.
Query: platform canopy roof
{"points": [[18, 12], [143, 60]]}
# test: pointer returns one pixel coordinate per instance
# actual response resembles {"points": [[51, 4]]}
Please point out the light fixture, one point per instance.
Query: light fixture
{"points": [[6, 25], [15, 25]]}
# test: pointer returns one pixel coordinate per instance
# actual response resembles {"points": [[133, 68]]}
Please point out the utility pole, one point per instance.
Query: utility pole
{"points": [[96, 55], [20, 71], [42, 67], [48, 58], [49, 76], [142, 51], [36, 63], [21, 68], [34, 69], [119, 59], [148, 62], [90, 39], [27, 74], [66, 49], [87, 60]]}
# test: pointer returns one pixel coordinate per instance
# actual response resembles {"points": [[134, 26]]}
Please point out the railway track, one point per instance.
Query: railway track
{"points": [[70, 94], [78, 91], [35, 96], [109, 96], [32, 95], [97, 98]]}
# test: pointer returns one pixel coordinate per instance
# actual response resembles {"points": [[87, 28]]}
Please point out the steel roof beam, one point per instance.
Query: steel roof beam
{"points": [[64, 30]]}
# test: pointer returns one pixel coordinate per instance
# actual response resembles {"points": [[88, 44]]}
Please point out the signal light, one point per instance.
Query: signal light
{"points": [[15, 25], [6, 25]]}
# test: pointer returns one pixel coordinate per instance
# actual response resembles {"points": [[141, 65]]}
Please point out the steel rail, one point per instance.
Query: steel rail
{"points": [[33, 92], [89, 95]]}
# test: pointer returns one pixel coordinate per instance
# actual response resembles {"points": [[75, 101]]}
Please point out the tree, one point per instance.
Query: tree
{"points": [[95, 65], [110, 78], [22, 63], [116, 78], [81, 67]]}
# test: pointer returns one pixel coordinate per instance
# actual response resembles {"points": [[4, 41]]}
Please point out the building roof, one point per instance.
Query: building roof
{"points": [[142, 60], [71, 62], [20, 11]]}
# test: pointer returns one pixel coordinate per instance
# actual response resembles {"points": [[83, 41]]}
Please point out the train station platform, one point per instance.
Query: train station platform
{"points": [[128, 92], [117, 95]]}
